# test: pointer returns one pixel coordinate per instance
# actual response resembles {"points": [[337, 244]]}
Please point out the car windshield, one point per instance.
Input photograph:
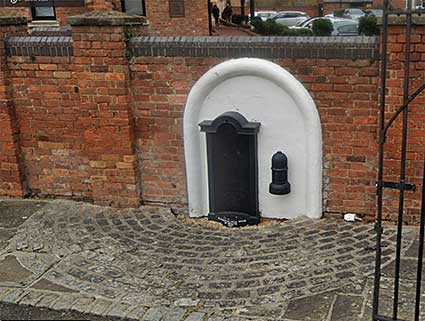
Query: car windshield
{"points": [[355, 11]]}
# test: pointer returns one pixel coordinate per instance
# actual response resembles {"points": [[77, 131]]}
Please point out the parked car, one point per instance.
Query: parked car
{"points": [[290, 18], [342, 27], [309, 22], [353, 13], [264, 15], [345, 27], [375, 12]]}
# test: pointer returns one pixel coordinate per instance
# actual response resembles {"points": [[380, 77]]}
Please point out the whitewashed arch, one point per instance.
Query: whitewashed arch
{"points": [[263, 92]]}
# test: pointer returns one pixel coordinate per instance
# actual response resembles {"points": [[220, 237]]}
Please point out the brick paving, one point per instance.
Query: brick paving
{"points": [[148, 264]]}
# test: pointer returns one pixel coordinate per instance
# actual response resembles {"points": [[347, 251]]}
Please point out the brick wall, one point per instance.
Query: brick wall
{"points": [[88, 124], [194, 22], [63, 13], [416, 133], [70, 98], [343, 91], [12, 174]]}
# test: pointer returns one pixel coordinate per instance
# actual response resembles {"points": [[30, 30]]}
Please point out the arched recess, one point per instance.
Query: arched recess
{"points": [[263, 92]]}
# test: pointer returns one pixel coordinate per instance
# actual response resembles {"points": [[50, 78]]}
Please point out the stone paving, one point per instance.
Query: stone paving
{"points": [[149, 264]]}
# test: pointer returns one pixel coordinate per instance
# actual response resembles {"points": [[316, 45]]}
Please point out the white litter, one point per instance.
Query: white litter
{"points": [[351, 217]]}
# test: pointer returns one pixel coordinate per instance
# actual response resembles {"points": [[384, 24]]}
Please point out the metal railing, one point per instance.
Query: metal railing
{"points": [[401, 185]]}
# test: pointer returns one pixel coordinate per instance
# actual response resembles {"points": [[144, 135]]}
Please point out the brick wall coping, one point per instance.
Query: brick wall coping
{"points": [[9, 19], [394, 19], [105, 18], [51, 31], [39, 46], [359, 47]]}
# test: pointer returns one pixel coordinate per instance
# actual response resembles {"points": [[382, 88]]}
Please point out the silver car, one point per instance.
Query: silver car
{"points": [[290, 18], [341, 27], [345, 28], [264, 15]]}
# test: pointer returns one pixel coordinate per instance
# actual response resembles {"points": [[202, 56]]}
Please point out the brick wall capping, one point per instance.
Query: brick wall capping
{"points": [[395, 20], [31, 46], [359, 47], [10, 19], [105, 18]]}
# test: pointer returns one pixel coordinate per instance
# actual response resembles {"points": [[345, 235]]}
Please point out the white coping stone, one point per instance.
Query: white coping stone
{"points": [[262, 92]]}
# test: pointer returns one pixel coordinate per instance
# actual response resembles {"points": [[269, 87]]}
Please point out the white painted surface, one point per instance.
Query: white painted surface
{"points": [[262, 92]]}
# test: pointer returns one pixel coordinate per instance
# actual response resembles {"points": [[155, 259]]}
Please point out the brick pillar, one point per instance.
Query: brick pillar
{"points": [[11, 162], [102, 70]]}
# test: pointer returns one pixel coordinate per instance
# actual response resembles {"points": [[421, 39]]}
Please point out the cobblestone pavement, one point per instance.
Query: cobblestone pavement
{"points": [[148, 264]]}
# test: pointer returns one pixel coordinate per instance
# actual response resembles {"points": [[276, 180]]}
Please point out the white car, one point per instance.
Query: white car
{"points": [[290, 18], [264, 15], [346, 28], [341, 26], [309, 22]]}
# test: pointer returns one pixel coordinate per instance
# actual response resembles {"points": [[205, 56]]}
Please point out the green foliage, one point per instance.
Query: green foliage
{"points": [[304, 32], [368, 26], [129, 33], [272, 28], [256, 21], [339, 13], [322, 27]]}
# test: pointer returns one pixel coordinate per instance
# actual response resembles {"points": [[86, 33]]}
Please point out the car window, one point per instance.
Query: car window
{"points": [[310, 24], [292, 15], [304, 23]]}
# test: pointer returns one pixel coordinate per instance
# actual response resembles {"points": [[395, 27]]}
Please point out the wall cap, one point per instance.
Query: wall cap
{"points": [[32, 46], [10, 19], [105, 18], [400, 20], [359, 47]]}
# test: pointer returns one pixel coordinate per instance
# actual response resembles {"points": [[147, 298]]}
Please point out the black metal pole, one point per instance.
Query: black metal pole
{"points": [[378, 226], [242, 9], [420, 250], [209, 17], [403, 160], [252, 9]]}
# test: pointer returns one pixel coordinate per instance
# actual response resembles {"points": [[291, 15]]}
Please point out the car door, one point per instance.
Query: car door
{"points": [[292, 19], [348, 30]]}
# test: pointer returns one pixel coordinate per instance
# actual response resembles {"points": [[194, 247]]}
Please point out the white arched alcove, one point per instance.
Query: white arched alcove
{"points": [[262, 92]]}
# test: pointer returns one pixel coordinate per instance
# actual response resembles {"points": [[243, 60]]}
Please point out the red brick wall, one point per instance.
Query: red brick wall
{"points": [[195, 22], [50, 120], [12, 177], [101, 73], [94, 126], [345, 93], [416, 133], [62, 13], [329, 8], [76, 127], [25, 12]]}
